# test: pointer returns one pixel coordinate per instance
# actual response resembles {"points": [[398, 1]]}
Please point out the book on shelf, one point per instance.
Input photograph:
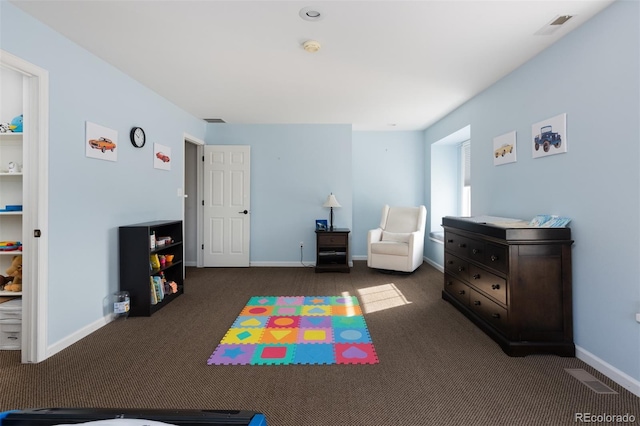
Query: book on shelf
{"points": [[154, 297], [157, 281]]}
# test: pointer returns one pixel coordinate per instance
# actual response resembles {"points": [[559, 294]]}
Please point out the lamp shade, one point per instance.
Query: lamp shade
{"points": [[331, 202]]}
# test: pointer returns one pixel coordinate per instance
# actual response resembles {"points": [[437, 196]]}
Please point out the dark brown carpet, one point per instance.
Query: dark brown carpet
{"points": [[436, 367]]}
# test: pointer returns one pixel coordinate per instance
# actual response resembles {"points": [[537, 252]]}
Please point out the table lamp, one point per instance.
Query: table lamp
{"points": [[331, 202]]}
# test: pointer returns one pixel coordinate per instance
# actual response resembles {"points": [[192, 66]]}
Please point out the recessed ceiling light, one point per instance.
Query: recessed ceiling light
{"points": [[310, 14]]}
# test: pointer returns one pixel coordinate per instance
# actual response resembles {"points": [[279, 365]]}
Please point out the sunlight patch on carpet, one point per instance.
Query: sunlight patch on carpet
{"points": [[281, 330], [381, 297]]}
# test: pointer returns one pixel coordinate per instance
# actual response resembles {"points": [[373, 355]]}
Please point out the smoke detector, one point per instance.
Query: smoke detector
{"points": [[311, 46]]}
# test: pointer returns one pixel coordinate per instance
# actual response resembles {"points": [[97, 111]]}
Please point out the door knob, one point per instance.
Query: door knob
{"points": [[244, 211]]}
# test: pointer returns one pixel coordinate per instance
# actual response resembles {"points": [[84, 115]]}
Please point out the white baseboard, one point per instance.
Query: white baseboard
{"points": [[190, 263], [276, 264], [281, 264], [620, 377], [80, 334], [434, 264]]}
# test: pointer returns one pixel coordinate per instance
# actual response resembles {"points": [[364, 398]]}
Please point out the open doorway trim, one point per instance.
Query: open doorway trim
{"points": [[35, 216], [199, 176]]}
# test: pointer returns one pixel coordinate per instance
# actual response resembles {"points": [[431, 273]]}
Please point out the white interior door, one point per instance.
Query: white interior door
{"points": [[226, 205]]}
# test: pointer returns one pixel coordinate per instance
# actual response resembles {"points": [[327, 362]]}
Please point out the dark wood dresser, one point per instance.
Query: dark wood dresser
{"points": [[513, 283]]}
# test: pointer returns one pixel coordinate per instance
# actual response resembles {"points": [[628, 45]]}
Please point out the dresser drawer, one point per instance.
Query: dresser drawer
{"points": [[457, 289], [456, 266], [496, 257], [332, 240], [490, 284], [457, 244], [476, 250], [490, 311]]}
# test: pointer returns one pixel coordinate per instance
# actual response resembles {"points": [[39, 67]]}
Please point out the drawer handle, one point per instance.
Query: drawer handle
{"points": [[450, 262], [449, 241], [476, 302], [461, 292], [476, 277], [462, 245], [475, 251], [12, 337], [460, 268], [496, 316], [449, 282], [494, 257], [495, 286]]}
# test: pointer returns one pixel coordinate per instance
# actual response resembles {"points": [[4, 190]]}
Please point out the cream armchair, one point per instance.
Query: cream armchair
{"points": [[398, 244]]}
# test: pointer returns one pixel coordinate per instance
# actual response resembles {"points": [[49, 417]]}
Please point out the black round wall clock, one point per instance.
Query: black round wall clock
{"points": [[138, 138]]}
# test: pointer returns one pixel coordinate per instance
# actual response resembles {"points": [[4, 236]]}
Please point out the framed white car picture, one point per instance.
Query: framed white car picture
{"points": [[504, 149]]}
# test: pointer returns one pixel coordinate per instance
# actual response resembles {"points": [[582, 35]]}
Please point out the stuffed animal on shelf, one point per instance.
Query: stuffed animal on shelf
{"points": [[16, 124], [15, 272], [5, 128], [4, 281]]}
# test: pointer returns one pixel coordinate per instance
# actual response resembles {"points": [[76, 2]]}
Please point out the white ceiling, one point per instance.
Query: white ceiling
{"points": [[382, 63]]}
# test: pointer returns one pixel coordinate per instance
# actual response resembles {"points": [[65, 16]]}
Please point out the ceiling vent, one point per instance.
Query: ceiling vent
{"points": [[214, 120], [554, 25]]}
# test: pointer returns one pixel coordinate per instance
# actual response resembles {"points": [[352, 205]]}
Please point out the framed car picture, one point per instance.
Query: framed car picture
{"points": [[161, 157], [549, 137], [100, 142], [504, 149]]}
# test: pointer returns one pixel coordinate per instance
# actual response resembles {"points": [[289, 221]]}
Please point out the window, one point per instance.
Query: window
{"points": [[450, 179], [465, 190]]}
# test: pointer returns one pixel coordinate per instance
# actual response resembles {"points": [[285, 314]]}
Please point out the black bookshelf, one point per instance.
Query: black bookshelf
{"points": [[135, 264]]}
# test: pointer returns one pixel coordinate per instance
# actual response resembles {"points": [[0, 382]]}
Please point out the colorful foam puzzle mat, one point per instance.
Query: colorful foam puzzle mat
{"points": [[282, 330]]}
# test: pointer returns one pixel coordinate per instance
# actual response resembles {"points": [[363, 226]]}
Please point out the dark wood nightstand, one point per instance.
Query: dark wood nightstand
{"points": [[332, 250]]}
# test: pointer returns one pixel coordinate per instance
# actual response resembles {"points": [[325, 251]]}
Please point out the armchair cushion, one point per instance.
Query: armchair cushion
{"points": [[390, 247], [399, 237]]}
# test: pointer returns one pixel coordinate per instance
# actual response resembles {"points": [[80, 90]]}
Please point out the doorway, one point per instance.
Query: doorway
{"points": [[35, 143], [192, 211]]}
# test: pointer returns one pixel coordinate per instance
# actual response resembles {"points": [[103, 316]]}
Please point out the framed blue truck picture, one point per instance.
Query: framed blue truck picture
{"points": [[549, 137]]}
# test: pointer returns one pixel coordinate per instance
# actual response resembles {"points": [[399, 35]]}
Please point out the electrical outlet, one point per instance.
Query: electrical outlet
{"points": [[638, 317]]}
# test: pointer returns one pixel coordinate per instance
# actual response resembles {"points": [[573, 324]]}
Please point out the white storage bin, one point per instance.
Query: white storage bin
{"points": [[11, 310], [10, 335]]}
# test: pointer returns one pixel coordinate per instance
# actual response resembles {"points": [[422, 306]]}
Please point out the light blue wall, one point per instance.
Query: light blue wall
{"points": [[592, 74], [88, 198], [294, 167], [388, 168]]}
